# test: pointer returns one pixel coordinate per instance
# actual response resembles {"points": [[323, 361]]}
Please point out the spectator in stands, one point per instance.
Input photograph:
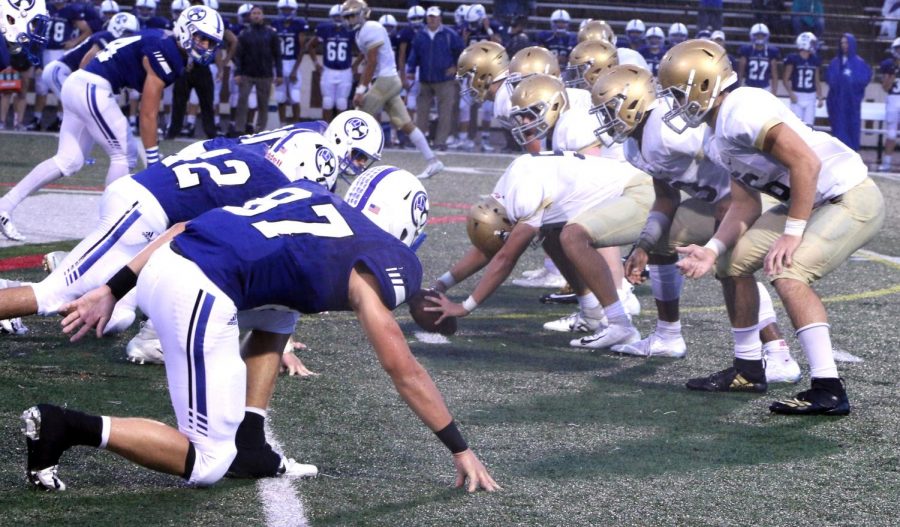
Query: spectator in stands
{"points": [[709, 14], [507, 10], [890, 10], [808, 15], [890, 81], [434, 51], [847, 77], [516, 39], [769, 12], [257, 61]]}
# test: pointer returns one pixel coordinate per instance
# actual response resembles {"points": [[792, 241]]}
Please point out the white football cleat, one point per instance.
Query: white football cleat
{"points": [[545, 279], [145, 347], [783, 371], [654, 346], [630, 302], [13, 326], [52, 260], [608, 337], [8, 229], [434, 166], [577, 322], [531, 273], [884, 167], [291, 469]]}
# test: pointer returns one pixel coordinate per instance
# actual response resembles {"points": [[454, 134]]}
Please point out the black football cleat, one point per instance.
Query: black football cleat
{"points": [[825, 397], [565, 295], [729, 380], [44, 431]]}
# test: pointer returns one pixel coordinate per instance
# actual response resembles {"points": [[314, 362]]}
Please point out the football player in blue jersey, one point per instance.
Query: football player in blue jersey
{"points": [[558, 39], [25, 27], [890, 82], [654, 49], [336, 41], [147, 62], [758, 60], [801, 78], [190, 281], [145, 10], [634, 33], [291, 31]]}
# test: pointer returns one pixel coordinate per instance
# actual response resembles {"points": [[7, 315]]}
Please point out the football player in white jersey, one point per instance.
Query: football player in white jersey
{"points": [[830, 208], [628, 112], [379, 85], [519, 209]]}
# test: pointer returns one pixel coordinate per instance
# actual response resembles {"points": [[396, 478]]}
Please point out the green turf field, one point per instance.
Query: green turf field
{"points": [[574, 438]]}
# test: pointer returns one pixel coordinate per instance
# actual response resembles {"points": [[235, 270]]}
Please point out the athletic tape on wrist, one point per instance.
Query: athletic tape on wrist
{"points": [[469, 304], [794, 227], [715, 246], [447, 279], [122, 282], [452, 438]]}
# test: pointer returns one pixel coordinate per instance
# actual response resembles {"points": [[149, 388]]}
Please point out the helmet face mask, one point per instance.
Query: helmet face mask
{"points": [[536, 105], [587, 61], [488, 226], [677, 33], [199, 31], [621, 99], [305, 155], [692, 75], [479, 66], [354, 13], [806, 41], [358, 141], [759, 35]]}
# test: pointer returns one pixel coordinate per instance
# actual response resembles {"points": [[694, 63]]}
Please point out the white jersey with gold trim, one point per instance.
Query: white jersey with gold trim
{"points": [[373, 34], [746, 116], [550, 188], [678, 159]]}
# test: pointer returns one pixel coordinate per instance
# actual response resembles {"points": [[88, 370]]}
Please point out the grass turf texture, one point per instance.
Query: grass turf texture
{"points": [[575, 438]]}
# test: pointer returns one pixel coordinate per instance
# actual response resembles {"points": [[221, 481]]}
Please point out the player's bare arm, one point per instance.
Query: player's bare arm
{"points": [[471, 262], [150, 98], [89, 56], [84, 31], [368, 71]]}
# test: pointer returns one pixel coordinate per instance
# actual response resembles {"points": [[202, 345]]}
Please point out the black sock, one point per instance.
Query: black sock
{"points": [[831, 385], [251, 433], [752, 369], [82, 428]]}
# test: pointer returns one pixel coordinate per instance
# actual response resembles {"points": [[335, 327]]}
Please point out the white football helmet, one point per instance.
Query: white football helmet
{"points": [[243, 12], [335, 14], [416, 15], [109, 7], [474, 15], [655, 36], [718, 36], [388, 21], [123, 24], [358, 141], [178, 6], [212, 4], [759, 34], [806, 41], [895, 48], [635, 25], [203, 21], [678, 33], [393, 199], [144, 9], [304, 154], [25, 27], [559, 20], [287, 8], [459, 15]]}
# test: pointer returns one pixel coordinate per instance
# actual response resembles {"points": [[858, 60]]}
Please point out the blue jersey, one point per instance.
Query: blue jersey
{"points": [[406, 34], [803, 76], [91, 16], [296, 248], [156, 22], [652, 58], [479, 34], [560, 43], [236, 27], [889, 67], [287, 29], [122, 62], [73, 57], [186, 188], [62, 24], [264, 139], [335, 41], [759, 63]]}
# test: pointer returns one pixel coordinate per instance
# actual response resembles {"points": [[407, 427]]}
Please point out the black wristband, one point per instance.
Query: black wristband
{"points": [[452, 439], [122, 282]]}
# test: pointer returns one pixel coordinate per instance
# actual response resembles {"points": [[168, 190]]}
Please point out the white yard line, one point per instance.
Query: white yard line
{"points": [[281, 504]]}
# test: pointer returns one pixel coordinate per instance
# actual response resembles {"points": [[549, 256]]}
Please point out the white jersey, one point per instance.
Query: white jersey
{"points": [[746, 116], [552, 188], [630, 56], [371, 35], [579, 99], [678, 159], [501, 102]]}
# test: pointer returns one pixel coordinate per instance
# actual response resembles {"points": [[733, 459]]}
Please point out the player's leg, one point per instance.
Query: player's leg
{"points": [[328, 87], [107, 124], [891, 120], [344, 85], [446, 97], [590, 316], [263, 93]]}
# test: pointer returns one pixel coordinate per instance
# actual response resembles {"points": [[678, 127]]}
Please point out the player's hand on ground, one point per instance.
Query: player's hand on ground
{"points": [[634, 266], [697, 260], [469, 467], [446, 307], [91, 311], [781, 253], [291, 364]]}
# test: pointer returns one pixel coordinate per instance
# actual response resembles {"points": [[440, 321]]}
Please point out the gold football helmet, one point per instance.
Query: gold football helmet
{"points": [[480, 65], [488, 226], [535, 106], [692, 75], [621, 99], [596, 30], [355, 12], [587, 61], [531, 60]]}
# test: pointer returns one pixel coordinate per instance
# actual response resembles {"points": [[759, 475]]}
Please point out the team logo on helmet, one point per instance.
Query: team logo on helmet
{"points": [[419, 209], [356, 128], [22, 5], [196, 15], [326, 163]]}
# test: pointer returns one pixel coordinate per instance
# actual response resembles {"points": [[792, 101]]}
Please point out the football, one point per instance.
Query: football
{"points": [[427, 319]]}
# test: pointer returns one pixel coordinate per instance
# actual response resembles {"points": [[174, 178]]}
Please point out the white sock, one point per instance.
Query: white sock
{"points": [[615, 313], [777, 350], [104, 432], [254, 410], [668, 330], [815, 340], [747, 345], [766, 309], [41, 175], [191, 119], [418, 139]]}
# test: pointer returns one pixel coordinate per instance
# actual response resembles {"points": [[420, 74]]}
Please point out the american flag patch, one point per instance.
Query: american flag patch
{"points": [[374, 209]]}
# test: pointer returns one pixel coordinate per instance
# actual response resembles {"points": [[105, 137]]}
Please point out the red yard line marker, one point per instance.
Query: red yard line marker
{"points": [[452, 205], [28, 261], [447, 219]]}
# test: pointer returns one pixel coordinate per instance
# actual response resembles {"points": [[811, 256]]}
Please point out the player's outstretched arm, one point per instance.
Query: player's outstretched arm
{"points": [[411, 380], [471, 262]]}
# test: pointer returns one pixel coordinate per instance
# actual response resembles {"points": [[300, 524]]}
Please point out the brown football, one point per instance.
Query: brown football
{"points": [[426, 319]]}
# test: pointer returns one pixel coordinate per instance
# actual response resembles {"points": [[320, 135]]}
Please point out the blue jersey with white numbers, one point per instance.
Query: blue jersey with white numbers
{"points": [[62, 24], [296, 248], [186, 188], [335, 42], [803, 76], [652, 58], [889, 67], [560, 43], [73, 57], [122, 62], [287, 29], [759, 63]]}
